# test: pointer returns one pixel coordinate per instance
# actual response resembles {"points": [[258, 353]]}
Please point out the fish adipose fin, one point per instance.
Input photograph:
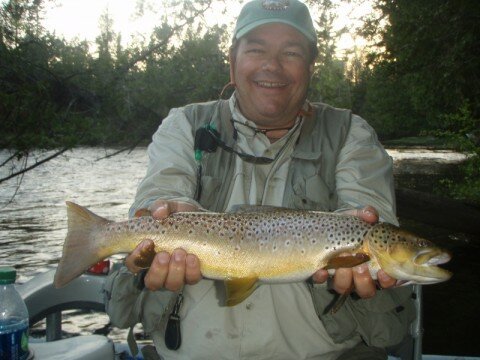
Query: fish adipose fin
{"points": [[239, 289], [81, 249]]}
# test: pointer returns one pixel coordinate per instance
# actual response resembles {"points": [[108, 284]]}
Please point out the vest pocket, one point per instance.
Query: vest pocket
{"points": [[313, 194], [385, 319]]}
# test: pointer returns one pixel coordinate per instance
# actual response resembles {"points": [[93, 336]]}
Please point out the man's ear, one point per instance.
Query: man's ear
{"points": [[231, 60]]}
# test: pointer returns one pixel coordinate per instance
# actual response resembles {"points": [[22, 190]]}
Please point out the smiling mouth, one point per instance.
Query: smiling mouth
{"points": [[270, 84]]}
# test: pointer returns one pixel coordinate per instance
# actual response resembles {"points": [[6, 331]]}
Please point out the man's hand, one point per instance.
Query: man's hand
{"points": [[169, 272], [357, 279]]}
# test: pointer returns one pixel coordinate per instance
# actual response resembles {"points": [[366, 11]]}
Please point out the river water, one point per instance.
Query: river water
{"points": [[33, 222]]}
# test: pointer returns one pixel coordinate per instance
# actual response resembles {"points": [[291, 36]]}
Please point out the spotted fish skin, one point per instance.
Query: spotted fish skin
{"points": [[275, 246], [271, 246]]}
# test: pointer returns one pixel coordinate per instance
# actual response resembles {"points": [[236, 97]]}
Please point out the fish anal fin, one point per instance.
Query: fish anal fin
{"points": [[347, 261], [239, 289], [146, 256]]}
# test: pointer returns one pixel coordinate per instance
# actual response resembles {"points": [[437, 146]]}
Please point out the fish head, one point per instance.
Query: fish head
{"points": [[406, 256]]}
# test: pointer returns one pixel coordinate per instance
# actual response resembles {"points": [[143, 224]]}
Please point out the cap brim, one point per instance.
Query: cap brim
{"points": [[246, 29]]}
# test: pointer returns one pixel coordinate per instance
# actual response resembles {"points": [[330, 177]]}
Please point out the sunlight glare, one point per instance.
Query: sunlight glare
{"points": [[80, 19]]}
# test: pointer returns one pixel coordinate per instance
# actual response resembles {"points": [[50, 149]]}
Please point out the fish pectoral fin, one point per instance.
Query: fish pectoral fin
{"points": [[347, 261], [340, 300], [239, 289], [145, 258]]}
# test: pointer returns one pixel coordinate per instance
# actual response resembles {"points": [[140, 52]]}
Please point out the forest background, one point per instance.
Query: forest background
{"points": [[417, 77]]}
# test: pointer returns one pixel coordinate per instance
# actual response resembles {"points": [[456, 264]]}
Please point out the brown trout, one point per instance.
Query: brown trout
{"points": [[255, 245]]}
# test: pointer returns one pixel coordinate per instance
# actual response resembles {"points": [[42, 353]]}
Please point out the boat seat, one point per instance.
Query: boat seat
{"points": [[88, 347]]}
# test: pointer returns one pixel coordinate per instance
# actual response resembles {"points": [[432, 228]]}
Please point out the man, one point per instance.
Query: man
{"points": [[266, 145]]}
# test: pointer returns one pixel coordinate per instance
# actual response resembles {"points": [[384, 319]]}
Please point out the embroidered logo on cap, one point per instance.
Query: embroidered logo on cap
{"points": [[275, 4]]}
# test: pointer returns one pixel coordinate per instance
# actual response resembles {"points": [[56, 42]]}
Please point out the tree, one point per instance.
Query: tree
{"points": [[19, 17], [329, 82], [57, 95], [424, 76], [427, 60]]}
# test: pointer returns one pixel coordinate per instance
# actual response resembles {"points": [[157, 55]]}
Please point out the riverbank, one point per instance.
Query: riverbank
{"points": [[463, 183], [419, 142]]}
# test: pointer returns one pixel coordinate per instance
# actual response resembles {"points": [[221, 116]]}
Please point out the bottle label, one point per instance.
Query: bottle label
{"points": [[14, 344]]}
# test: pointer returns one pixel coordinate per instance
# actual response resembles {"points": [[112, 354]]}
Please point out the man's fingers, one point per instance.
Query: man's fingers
{"points": [[363, 282], [320, 276], [192, 271], [357, 279], [157, 274], [176, 270], [160, 209], [343, 281], [368, 214], [172, 271], [384, 280]]}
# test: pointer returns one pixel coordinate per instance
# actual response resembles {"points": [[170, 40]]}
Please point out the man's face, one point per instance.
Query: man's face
{"points": [[271, 69]]}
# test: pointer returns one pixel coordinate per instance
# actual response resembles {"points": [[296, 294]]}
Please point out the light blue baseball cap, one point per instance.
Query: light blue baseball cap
{"points": [[290, 12]]}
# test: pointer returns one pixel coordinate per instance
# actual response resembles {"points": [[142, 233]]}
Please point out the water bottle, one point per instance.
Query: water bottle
{"points": [[13, 318]]}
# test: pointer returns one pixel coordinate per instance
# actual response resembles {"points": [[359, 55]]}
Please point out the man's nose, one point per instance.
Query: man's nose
{"points": [[272, 63]]}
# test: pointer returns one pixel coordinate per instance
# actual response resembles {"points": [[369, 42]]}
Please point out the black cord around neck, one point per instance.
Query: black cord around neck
{"points": [[259, 130]]}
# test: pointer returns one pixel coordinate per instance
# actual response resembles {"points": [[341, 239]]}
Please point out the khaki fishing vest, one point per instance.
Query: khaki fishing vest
{"points": [[381, 321], [311, 178]]}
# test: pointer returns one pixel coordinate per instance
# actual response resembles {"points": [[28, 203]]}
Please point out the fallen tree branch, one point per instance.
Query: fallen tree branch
{"points": [[33, 166]]}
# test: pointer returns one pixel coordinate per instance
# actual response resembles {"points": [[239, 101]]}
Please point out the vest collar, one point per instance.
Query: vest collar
{"points": [[304, 148]]}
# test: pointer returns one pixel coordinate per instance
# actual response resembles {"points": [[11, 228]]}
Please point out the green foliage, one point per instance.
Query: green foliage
{"points": [[330, 85], [55, 94], [462, 130], [423, 78], [428, 61], [329, 82], [468, 187], [384, 104]]}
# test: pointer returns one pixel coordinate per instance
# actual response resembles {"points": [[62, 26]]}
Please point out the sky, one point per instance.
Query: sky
{"points": [[79, 18]]}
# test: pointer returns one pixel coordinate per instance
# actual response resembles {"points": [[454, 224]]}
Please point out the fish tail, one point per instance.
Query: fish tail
{"points": [[81, 248]]}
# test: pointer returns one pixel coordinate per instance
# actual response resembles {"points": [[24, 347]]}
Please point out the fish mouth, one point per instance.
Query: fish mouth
{"points": [[421, 268], [432, 257], [427, 269], [423, 275]]}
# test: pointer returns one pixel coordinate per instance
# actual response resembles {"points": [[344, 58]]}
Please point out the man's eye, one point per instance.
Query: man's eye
{"points": [[255, 51], [293, 54]]}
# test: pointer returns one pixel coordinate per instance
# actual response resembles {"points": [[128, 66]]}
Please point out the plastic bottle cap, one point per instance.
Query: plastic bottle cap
{"points": [[7, 275]]}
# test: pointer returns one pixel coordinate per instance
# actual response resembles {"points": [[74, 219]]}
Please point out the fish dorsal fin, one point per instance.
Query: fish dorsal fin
{"points": [[243, 208], [347, 261], [239, 289]]}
